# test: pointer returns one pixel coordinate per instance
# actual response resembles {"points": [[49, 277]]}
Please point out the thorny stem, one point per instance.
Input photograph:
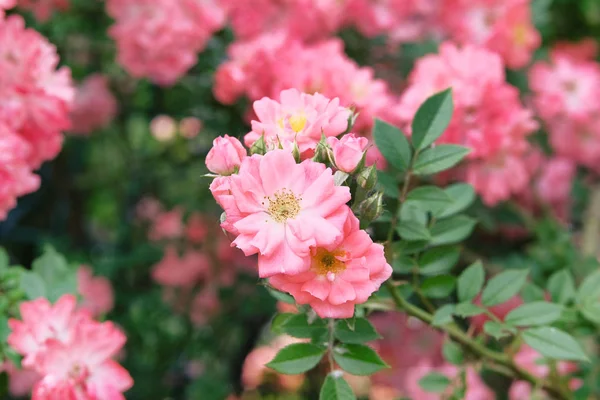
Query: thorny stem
{"points": [[331, 327], [499, 360]]}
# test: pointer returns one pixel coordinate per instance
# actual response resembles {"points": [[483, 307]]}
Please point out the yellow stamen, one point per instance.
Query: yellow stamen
{"points": [[297, 122], [325, 262], [283, 205]]}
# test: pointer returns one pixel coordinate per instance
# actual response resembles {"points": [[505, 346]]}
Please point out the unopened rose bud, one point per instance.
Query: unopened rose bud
{"points": [[348, 151], [225, 156], [371, 207], [367, 178]]}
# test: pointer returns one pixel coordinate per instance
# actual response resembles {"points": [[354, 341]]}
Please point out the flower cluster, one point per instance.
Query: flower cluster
{"points": [[292, 214], [564, 96], [34, 108], [72, 353], [488, 117], [161, 39], [94, 106]]}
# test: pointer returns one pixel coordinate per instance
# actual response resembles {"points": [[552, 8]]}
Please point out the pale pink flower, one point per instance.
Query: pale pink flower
{"points": [[96, 291], [43, 9], [348, 151], [161, 39], [94, 106], [83, 367], [35, 97], [190, 127], [163, 128], [297, 117], [225, 156], [204, 306], [196, 229], [148, 208], [177, 271], [281, 209], [341, 275], [20, 380], [167, 225]]}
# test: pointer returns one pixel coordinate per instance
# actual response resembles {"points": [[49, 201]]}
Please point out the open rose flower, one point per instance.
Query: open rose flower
{"points": [[341, 274]]}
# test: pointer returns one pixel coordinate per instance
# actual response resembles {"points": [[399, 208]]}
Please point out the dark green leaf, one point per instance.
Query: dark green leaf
{"points": [[497, 330], [358, 359], [278, 295], [297, 358], [536, 313], [438, 287], [431, 119], [554, 343], [531, 292], [298, 326], [443, 315], [434, 382], [413, 231], [388, 183], [4, 329], [470, 282], [412, 212], [561, 286], [466, 310], [439, 158], [438, 260], [279, 321], [590, 288], [429, 198], [336, 388], [392, 144], [503, 286], [363, 331], [452, 230], [462, 195]]}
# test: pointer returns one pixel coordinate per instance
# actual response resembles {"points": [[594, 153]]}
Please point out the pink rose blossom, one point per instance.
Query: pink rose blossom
{"points": [[348, 151], [196, 229], [204, 306], [167, 225], [280, 209], [190, 127], [584, 50], [161, 39], [21, 380], [341, 274], [177, 271], [97, 292], [43, 9], [225, 156], [94, 106], [297, 117]]}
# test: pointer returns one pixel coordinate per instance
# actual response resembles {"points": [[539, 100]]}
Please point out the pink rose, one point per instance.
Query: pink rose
{"points": [[225, 156], [348, 151]]}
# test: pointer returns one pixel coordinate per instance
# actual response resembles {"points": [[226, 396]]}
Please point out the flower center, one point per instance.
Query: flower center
{"points": [[520, 35], [283, 205], [325, 262], [297, 122]]}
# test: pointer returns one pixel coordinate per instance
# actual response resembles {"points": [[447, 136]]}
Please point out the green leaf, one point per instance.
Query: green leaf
{"points": [[536, 313], [561, 286], [279, 321], [363, 331], [439, 158], [466, 310], [58, 277], [554, 343], [496, 330], [434, 382], [503, 286], [591, 311], [412, 212], [33, 285], [392, 144], [438, 260], [462, 196], [470, 282], [4, 329], [297, 358], [452, 230], [413, 231], [429, 198], [531, 293], [438, 287], [4, 261], [336, 388], [358, 359], [388, 183], [431, 119], [443, 315], [298, 326], [590, 288], [280, 296], [453, 353]]}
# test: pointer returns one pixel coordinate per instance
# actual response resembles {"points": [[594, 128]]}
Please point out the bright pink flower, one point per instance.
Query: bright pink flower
{"points": [[43, 9], [531, 361], [94, 106], [225, 156], [348, 151], [161, 39], [584, 50], [281, 209], [34, 97], [167, 225], [177, 271], [82, 368], [503, 26], [97, 292], [341, 275], [21, 380], [488, 117], [221, 191], [297, 117]]}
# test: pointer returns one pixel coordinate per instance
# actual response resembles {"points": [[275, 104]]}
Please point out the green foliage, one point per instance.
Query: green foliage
{"points": [[439, 158], [432, 119], [503, 286], [358, 359], [554, 343], [536, 313], [336, 388], [297, 358], [360, 330], [393, 144], [470, 282], [434, 382]]}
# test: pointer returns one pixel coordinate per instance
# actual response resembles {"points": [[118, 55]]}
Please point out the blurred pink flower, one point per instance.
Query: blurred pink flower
{"points": [[583, 50], [167, 225], [161, 39], [20, 380], [205, 305], [225, 156], [96, 291], [196, 229], [43, 9], [177, 271], [163, 128], [341, 275], [190, 127], [94, 106], [148, 208], [285, 209]]}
